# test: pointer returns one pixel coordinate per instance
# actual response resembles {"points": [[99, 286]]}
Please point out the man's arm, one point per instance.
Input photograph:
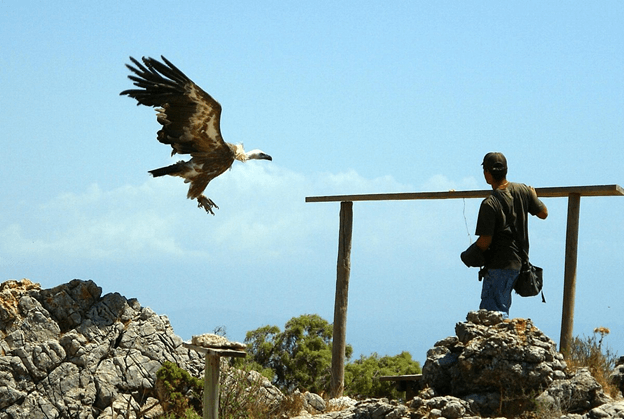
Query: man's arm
{"points": [[483, 242], [544, 211]]}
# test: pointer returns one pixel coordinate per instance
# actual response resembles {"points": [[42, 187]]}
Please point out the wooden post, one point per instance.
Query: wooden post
{"points": [[211, 375], [211, 387], [342, 296], [569, 283]]}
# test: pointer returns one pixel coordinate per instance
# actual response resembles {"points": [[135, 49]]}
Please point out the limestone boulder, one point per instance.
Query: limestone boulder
{"points": [[71, 352]]}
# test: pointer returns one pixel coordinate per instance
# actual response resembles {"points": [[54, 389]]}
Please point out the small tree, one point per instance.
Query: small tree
{"points": [[300, 356]]}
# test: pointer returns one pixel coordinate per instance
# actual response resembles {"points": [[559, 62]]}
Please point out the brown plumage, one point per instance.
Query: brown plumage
{"points": [[190, 120]]}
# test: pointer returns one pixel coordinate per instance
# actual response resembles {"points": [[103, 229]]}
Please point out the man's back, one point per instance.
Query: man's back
{"points": [[503, 216]]}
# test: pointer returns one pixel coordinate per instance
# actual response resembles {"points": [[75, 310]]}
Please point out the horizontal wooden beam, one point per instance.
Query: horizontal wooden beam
{"points": [[408, 377], [551, 192], [216, 351]]}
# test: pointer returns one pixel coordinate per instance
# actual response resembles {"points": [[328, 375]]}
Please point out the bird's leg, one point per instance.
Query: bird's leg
{"points": [[206, 203]]}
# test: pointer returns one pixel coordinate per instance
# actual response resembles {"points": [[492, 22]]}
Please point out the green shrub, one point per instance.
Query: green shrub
{"points": [[178, 391], [362, 375], [300, 358]]}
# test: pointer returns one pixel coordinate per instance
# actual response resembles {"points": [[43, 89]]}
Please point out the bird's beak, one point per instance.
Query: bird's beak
{"points": [[264, 156]]}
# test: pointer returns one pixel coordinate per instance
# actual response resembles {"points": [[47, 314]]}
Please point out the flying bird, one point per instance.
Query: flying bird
{"points": [[190, 120]]}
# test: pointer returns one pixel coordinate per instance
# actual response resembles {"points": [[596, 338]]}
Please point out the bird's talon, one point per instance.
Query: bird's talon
{"points": [[207, 204]]}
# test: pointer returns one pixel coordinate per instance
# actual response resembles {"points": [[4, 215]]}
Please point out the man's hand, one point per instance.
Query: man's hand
{"points": [[544, 212]]}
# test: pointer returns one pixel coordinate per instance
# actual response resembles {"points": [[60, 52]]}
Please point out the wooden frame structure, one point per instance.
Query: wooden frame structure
{"points": [[573, 193]]}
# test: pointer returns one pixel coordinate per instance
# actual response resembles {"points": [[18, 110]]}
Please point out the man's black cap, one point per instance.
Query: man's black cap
{"points": [[494, 162]]}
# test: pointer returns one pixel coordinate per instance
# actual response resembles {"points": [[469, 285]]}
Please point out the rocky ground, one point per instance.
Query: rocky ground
{"points": [[69, 352]]}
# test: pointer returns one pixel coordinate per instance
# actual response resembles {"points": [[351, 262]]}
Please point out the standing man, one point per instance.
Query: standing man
{"points": [[503, 233]]}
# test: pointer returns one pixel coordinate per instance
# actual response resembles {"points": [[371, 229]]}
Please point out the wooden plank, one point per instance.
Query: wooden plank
{"points": [[407, 377], [569, 276], [216, 351], [401, 196], [342, 296], [409, 383], [549, 192], [595, 190]]}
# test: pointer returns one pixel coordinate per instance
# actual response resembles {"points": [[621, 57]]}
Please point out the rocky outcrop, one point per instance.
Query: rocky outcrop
{"points": [[491, 361], [500, 366], [491, 355], [69, 352]]}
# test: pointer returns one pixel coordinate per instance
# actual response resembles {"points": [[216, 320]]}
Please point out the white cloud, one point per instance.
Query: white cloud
{"points": [[95, 224], [263, 217], [443, 183]]}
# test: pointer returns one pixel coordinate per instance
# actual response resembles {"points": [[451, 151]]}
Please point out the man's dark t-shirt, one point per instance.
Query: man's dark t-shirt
{"points": [[498, 212]]}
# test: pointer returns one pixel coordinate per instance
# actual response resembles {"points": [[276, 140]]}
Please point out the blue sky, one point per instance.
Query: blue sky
{"points": [[348, 97]]}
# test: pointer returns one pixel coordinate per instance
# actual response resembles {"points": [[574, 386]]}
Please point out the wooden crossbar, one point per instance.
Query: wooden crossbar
{"points": [[549, 192]]}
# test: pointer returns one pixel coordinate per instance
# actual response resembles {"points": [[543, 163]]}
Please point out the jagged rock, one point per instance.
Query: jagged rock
{"points": [[491, 355], [497, 366], [365, 409], [10, 291], [611, 410], [617, 376], [340, 403], [124, 405], [69, 352], [579, 393], [450, 407], [68, 303], [313, 403]]}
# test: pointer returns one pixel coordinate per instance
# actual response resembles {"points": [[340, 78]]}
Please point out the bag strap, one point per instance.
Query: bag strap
{"points": [[523, 253]]}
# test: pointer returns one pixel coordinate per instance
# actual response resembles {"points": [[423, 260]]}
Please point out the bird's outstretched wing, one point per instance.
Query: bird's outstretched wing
{"points": [[189, 116]]}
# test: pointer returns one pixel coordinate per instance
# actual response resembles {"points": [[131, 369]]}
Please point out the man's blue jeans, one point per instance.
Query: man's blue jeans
{"points": [[496, 291]]}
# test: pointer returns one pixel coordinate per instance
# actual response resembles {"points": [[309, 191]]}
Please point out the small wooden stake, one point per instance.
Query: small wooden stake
{"points": [[211, 387], [211, 376]]}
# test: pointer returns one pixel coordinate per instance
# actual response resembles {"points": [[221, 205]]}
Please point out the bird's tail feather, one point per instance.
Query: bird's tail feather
{"points": [[174, 169]]}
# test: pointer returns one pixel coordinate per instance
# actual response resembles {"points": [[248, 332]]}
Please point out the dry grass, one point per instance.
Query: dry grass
{"points": [[588, 352]]}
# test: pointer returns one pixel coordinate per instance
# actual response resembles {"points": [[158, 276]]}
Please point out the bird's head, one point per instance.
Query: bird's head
{"points": [[241, 155], [258, 155]]}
